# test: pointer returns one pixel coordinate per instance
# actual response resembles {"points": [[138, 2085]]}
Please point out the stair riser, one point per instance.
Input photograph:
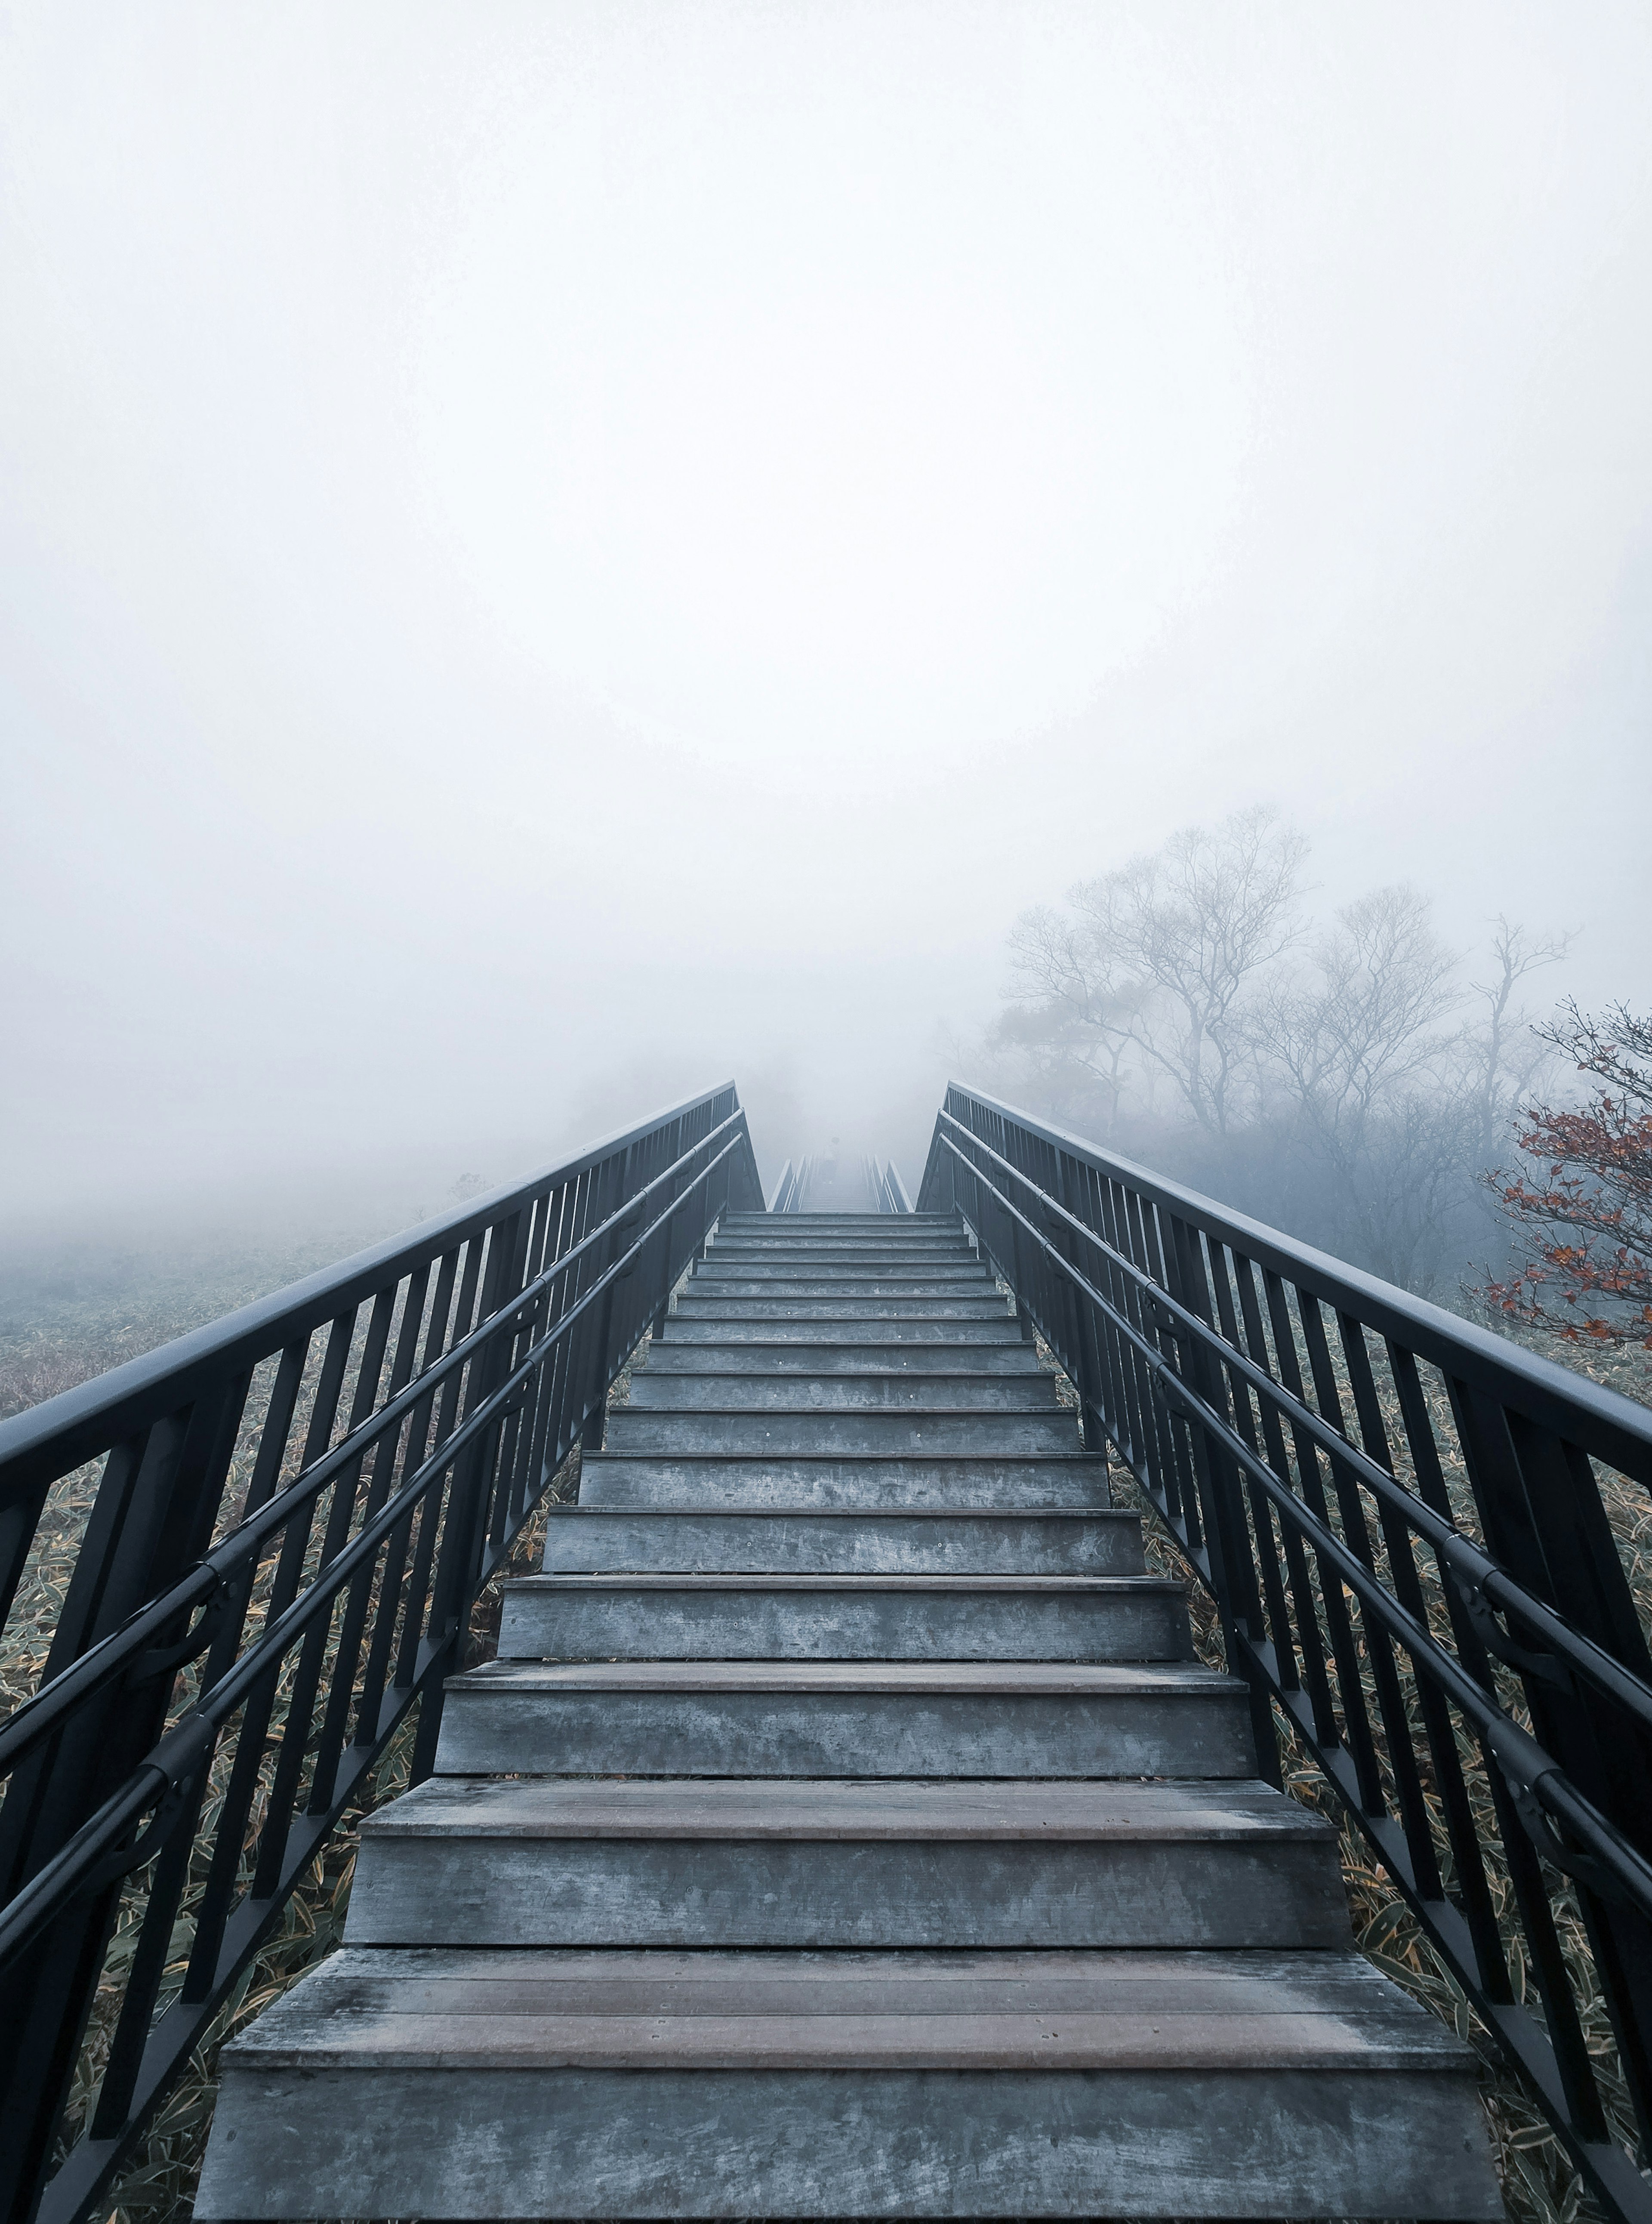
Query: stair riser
{"points": [[830, 1266], [924, 1290], [859, 1224], [841, 1734], [867, 1544], [809, 2143], [848, 1436], [682, 1329], [884, 1486], [838, 1626], [671, 1357], [843, 1393], [477, 1891], [807, 1307], [827, 1274], [827, 1251]]}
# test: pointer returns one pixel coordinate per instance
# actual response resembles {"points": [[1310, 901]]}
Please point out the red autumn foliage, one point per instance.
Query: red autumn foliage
{"points": [[1584, 1204]]}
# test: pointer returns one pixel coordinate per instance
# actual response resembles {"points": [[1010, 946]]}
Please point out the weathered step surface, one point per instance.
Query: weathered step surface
{"points": [[770, 1358], [657, 1617], [840, 1257], [554, 2084], [606, 1541], [933, 1294], [720, 1327], [897, 1485], [760, 1861], [814, 1718], [768, 1433], [809, 1303], [726, 1389], [799, 1226], [941, 1270]]}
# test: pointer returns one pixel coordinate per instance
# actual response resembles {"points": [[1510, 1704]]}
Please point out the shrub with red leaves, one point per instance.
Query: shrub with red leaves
{"points": [[1583, 1206]]}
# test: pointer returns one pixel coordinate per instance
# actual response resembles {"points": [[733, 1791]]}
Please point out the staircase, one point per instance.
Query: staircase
{"points": [[846, 1828]]}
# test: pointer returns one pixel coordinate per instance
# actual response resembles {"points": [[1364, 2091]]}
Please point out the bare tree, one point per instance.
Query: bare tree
{"points": [[1071, 1002], [1147, 973], [1190, 928], [1509, 1052], [1355, 1094], [1364, 1058]]}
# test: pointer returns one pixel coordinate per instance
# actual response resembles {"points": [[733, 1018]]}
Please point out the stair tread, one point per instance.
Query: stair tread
{"points": [[864, 1809], [544, 2007], [858, 1515], [805, 1410], [875, 1370], [618, 1579], [791, 1358], [927, 1678], [1075, 1458]]}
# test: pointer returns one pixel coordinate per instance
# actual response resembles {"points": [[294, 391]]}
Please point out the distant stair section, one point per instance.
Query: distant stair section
{"points": [[845, 1829]]}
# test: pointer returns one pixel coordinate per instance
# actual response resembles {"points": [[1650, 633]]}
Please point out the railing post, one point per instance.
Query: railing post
{"points": [[465, 1534]]}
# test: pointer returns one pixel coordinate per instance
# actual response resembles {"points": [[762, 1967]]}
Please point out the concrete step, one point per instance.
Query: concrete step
{"points": [[818, 1617], [657, 1390], [757, 1861], [825, 1428], [825, 1719], [885, 1331], [891, 1485], [808, 1290], [731, 2085], [737, 1304], [731, 1267], [757, 1223], [991, 1352], [931, 1243], [844, 1274], [596, 1540], [851, 1242]]}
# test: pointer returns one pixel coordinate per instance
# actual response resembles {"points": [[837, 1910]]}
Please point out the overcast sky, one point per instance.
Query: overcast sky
{"points": [[555, 554]]}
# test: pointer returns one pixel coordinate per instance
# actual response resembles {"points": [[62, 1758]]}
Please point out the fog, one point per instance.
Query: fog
{"points": [[555, 555]]}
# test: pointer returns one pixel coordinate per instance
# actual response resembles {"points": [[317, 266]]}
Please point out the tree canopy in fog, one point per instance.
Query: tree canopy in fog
{"points": [[1344, 1077]]}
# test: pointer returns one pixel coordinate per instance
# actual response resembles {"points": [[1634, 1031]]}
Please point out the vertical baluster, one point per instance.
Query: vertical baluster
{"points": [[1356, 1723], [295, 1729], [341, 1682], [1404, 1581], [1267, 1548], [465, 1529], [1233, 1569], [1301, 1585]]}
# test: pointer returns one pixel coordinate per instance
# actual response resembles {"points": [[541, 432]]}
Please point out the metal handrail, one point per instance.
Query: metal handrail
{"points": [[1226, 1402], [501, 1327], [790, 1190], [887, 1190]]}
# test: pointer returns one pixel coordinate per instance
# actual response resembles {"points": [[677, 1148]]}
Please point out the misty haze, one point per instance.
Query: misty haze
{"points": [[559, 560]]}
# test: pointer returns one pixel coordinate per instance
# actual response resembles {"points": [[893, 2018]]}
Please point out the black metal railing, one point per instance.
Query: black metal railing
{"points": [[275, 1531], [1449, 1628]]}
